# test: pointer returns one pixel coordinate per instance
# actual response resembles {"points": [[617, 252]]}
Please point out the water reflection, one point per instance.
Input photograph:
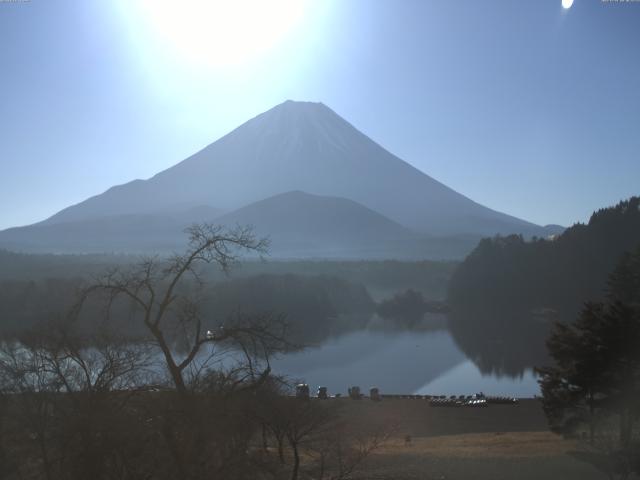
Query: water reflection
{"points": [[501, 343], [467, 378], [425, 362]]}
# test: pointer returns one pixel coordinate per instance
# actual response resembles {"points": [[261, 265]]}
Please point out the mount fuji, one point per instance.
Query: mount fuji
{"points": [[296, 147]]}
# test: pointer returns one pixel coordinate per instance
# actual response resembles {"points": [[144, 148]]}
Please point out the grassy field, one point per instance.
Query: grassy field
{"points": [[496, 442]]}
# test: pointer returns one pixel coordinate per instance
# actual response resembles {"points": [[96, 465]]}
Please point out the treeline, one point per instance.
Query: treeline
{"points": [[27, 266], [509, 273], [507, 290], [314, 306], [382, 278], [409, 309], [319, 298], [26, 303]]}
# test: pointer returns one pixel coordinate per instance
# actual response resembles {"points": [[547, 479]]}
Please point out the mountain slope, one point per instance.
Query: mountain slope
{"points": [[302, 146], [301, 225], [126, 233]]}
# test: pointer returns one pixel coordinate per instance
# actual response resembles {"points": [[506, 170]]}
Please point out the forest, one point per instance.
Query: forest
{"points": [[508, 292]]}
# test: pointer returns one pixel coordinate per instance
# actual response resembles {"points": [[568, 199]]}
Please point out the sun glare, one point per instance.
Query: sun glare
{"points": [[566, 4], [219, 32]]}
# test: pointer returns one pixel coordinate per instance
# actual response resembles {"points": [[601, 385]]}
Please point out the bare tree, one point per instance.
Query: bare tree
{"points": [[211, 364], [343, 450], [154, 288], [69, 397], [306, 419]]}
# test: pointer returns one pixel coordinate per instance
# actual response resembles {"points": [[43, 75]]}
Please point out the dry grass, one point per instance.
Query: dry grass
{"points": [[500, 442], [514, 444]]}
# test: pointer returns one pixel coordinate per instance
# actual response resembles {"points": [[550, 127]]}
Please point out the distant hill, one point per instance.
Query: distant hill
{"points": [[302, 225], [551, 230]]}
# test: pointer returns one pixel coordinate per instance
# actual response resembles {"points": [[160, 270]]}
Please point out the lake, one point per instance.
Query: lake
{"points": [[407, 362]]}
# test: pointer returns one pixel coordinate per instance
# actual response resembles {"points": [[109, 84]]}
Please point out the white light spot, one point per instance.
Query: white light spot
{"points": [[221, 32], [566, 4]]}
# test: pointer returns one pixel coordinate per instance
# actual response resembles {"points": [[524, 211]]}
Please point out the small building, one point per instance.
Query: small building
{"points": [[302, 391], [354, 393], [322, 393], [374, 394]]}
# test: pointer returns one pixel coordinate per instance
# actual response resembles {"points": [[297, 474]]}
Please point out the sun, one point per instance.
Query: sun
{"points": [[566, 4], [221, 32]]}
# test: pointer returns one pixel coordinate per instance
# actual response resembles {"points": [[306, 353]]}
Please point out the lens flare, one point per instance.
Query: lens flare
{"points": [[221, 32]]}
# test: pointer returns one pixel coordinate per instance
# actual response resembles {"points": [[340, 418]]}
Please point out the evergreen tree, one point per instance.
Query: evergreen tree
{"points": [[596, 377]]}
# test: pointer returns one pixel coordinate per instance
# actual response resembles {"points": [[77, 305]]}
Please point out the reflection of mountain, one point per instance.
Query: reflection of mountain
{"points": [[466, 379], [501, 344], [394, 362]]}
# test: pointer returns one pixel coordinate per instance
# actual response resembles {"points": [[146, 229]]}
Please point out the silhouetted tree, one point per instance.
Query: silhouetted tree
{"points": [[624, 281], [574, 388], [70, 397], [596, 376], [171, 314], [204, 418]]}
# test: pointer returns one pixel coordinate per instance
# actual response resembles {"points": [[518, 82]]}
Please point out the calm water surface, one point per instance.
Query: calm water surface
{"points": [[398, 362]]}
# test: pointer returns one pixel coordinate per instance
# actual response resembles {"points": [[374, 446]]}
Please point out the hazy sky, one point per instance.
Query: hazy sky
{"points": [[521, 105]]}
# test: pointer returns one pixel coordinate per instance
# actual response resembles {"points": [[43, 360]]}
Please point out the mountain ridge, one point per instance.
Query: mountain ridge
{"points": [[299, 225]]}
